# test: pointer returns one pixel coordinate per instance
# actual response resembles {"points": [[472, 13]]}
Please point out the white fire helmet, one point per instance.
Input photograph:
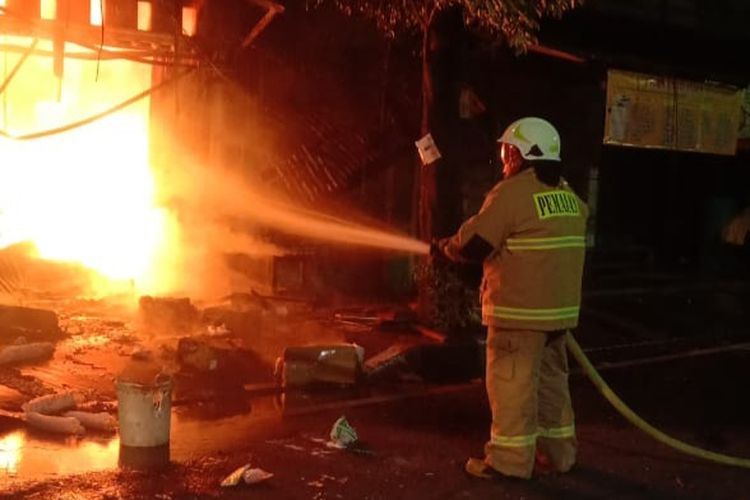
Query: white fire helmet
{"points": [[534, 137]]}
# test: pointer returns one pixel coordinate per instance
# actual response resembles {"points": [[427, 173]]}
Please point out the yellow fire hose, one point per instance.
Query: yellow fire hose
{"points": [[641, 424]]}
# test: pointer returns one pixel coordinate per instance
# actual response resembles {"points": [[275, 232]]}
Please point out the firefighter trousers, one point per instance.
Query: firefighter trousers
{"points": [[527, 386]]}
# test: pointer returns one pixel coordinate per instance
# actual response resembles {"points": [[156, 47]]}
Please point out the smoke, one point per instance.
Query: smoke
{"points": [[208, 175], [220, 211], [228, 196], [202, 234]]}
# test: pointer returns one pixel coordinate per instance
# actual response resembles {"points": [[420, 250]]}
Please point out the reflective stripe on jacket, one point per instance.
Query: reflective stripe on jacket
{"points": [[532, 279], [566, 432]]}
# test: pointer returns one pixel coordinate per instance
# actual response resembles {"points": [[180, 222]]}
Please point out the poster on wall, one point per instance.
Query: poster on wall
{"points": [[669, 113]]}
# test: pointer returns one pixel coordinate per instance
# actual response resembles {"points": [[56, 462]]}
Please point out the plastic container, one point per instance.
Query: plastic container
{"points": [[144, 412]]}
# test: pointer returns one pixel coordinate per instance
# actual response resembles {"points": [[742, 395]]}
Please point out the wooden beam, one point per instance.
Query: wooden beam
{"points": [[559, 54], [272, 8], [92, 54], [268, 5], [258, 28], [87, 35]]}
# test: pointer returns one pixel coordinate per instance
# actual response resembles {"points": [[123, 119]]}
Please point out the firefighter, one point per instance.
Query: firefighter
{"points": [[530, 237]]}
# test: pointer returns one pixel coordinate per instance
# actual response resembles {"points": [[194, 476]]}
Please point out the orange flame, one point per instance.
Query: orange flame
{"points": [[86, 195], [11, 446]]}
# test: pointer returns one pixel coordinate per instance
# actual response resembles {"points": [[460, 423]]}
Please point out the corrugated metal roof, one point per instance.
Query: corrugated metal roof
{"points": [[326, 155]]}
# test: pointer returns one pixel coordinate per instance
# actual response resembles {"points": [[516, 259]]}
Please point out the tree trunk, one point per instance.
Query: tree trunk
{"points": [[439, 184], [438, 189]]}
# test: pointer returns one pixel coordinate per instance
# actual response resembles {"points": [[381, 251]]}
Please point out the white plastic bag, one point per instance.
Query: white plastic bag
{"points": [[342, 434], [25, 352], [247, 475], [53, 403], [58, 425], [97, 421]]}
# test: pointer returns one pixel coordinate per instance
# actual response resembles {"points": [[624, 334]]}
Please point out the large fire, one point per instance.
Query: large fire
{"points": [[86, 195]]}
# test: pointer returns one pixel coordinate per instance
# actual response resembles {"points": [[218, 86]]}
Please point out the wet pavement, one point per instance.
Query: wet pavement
{"points": [[100, 345], [419, 433], [418, 445], [28, 456], [197, 430]]}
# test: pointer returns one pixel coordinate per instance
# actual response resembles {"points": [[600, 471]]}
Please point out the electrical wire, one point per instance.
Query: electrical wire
{"points": [[5, 96], [26, 54], [140, 56], [639, 422], [131, 55], [101, 42], [152, 58]]}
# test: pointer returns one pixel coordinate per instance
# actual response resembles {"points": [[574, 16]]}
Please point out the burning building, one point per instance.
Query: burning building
{"points": [[130, 149], [104, 112], [76, 176]]}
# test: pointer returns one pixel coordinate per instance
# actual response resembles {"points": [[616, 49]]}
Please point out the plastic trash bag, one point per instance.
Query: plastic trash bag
{"points": [[53, 403], [102, 421], [246, 474], [58, 425], [343, 435]]}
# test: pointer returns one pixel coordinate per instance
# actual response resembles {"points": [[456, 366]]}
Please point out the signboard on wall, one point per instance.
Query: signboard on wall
{"points": [[669, 113]]}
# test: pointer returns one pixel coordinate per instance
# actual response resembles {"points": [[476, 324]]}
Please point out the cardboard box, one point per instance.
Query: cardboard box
{"points": [[167, 314], [322, 364], [32, 324]]}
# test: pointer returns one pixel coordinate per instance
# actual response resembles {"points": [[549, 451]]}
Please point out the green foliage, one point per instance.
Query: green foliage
{"points": [[516, 20], [447, 303]]}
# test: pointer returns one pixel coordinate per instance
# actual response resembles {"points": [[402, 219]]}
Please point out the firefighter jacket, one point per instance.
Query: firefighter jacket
{"points": [[532, 275]]}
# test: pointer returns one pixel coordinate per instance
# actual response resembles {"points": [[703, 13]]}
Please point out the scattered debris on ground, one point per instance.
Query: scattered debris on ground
{"points": [[54, 413], [30, 323], [389, 363], [53, 403], [343, 435], [246, 474], [210, 353], [54, 424], [167, 314], [22, 353], [25, 384], [321, 364], [101, 421]]}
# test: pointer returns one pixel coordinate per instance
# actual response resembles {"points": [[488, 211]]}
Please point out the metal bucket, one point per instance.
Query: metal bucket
{"points": [[144, 412], [140, 458]]}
